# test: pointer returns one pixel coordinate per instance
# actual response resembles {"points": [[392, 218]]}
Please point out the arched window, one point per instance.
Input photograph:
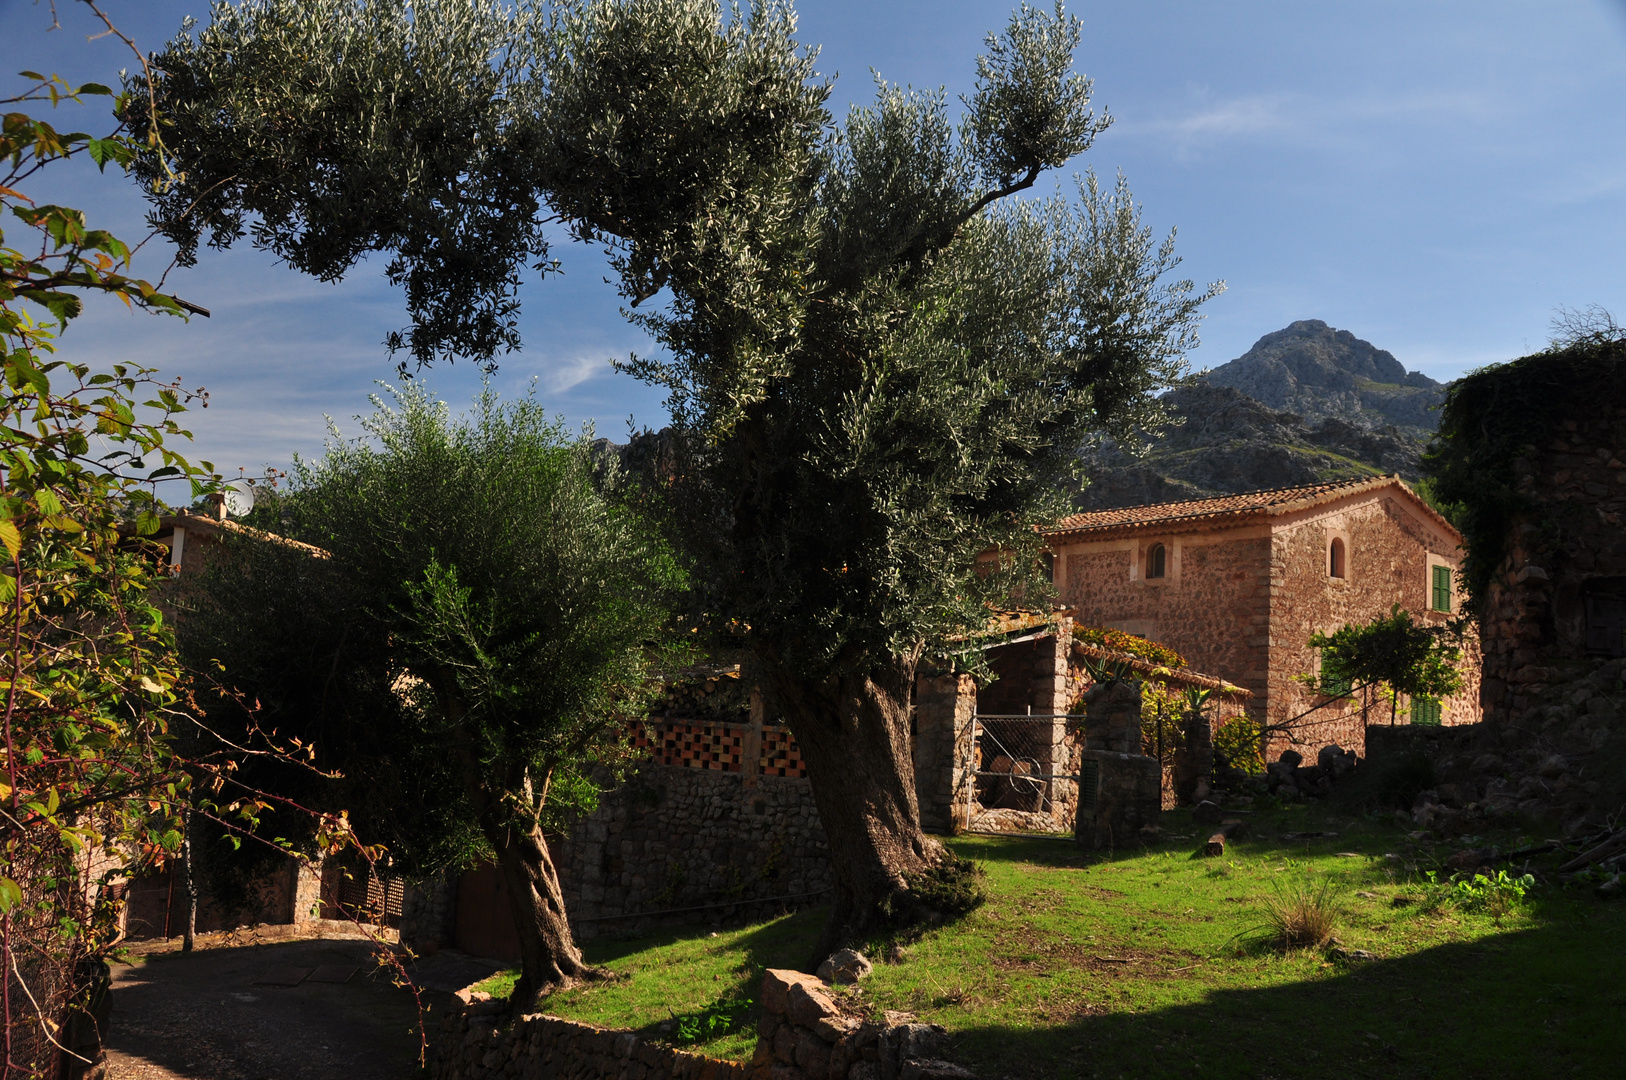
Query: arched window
{"points": [[1335, 559], [1156, 561]]}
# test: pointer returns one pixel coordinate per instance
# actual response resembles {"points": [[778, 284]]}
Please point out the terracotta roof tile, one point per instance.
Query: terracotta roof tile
{"points": [[1229, 509]]}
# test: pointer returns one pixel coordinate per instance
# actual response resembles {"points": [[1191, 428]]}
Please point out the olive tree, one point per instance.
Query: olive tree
{"points": [[478, 586], [1395, 651], [881, 363]]}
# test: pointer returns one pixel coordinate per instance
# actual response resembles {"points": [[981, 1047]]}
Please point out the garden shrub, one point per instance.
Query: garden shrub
{"points": [[1238, 738]]}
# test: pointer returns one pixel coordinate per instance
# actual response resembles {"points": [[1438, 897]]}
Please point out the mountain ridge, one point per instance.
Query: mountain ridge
{"points": [[1318, 371], [1306, 404]]}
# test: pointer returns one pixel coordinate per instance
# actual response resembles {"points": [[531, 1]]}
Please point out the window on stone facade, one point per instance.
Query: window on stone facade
{"points": [[1156, 561], [1605, 600], [1425, 710], [1440, 598], [1335, 559], [1334, 684]]}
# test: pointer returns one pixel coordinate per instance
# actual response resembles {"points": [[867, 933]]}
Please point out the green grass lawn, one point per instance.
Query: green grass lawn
{"points": [[1151, 963]]}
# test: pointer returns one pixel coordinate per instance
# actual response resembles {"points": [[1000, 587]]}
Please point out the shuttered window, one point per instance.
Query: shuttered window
{"points": [[1441, 600], [1425, 710]]}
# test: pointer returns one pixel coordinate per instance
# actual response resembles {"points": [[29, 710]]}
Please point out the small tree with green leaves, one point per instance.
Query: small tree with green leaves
{"points": [[1393, 651], [480, 612]]}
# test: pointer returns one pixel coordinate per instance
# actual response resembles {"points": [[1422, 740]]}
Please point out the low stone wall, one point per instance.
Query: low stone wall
{"points": [[474, 1045], [804, 1034], [1384, 742]]}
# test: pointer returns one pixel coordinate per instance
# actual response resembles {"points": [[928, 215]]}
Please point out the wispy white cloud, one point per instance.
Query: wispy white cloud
{"points": [[560, 374], [1306, 120]]}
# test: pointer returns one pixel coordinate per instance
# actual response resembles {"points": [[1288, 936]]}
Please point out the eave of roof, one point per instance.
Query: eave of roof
{"points": [[1230, 511], [200, 523]]}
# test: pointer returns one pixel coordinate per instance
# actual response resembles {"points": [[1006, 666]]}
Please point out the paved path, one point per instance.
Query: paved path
{"points": [[296, 1010]]}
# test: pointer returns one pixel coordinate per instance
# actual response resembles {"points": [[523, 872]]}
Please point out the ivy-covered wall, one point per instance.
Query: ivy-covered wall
{"points": [[1533, 458]]}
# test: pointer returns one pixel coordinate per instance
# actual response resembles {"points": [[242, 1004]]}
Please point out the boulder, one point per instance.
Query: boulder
{"points": [[918, 1040], [1337, 762], [1553, 766], [1291, 758], [1455, 795], [933, 1069], [796, 995], [1311, 779], [1207, 813], [845, 966]]}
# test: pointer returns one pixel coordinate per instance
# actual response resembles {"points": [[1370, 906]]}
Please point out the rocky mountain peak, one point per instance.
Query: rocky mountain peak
{"points": [[1318, 371]]}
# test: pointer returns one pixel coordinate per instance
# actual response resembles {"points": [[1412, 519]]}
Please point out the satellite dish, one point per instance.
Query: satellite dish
{"points": [[239, 500]]}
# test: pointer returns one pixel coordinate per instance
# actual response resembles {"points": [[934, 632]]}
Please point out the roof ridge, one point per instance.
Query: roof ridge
{"points": [[1264, 502]]}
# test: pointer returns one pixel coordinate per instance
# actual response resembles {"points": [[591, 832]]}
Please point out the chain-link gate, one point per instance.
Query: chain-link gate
{"points": [[1025, 773]]}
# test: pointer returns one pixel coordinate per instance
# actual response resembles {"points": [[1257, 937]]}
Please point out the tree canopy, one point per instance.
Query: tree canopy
{"points": [[1395, 651], [474, 624], [880, 364]]}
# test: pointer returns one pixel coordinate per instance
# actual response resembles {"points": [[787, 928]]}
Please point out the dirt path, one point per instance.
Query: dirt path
{"points": [[296, 1010]]}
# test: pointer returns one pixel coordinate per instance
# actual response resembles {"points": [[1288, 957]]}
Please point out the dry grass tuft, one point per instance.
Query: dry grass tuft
{"points": [[1302, 917]]}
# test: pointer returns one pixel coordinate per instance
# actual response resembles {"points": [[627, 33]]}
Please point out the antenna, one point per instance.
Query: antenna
{"points": [[239, 499]]}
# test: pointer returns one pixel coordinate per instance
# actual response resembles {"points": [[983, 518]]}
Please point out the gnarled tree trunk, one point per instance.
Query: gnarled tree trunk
{"points": [[549, 958], [853, 733], [499, 794]]}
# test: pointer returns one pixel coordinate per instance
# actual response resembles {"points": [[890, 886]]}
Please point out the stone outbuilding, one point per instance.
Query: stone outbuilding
{"points": [[1239, 583], [1550, 429]]}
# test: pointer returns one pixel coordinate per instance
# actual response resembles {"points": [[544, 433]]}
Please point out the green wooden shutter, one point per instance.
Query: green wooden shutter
{"points": [[1442, 589], [1426, 711]]}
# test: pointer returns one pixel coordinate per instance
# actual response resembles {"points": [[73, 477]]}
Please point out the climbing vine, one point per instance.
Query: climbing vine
{"points": [[1491, 419]]}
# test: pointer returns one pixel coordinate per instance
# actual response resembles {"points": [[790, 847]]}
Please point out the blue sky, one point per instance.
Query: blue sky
{"points": [[1436, 177]]}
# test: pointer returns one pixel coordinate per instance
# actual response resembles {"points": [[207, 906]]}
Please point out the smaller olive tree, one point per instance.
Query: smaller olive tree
{"points": [[1393, 651], [485, 571]]}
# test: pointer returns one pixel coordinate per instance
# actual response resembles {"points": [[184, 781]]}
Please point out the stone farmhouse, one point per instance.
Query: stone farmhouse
{"points": [[1238, 584]]}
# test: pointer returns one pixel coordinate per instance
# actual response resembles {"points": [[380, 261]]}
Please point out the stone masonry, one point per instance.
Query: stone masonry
{"points": [[1128, 798], [1552, 625], [943, 749], [681, 838], [803, 1034], [1247, 579]]}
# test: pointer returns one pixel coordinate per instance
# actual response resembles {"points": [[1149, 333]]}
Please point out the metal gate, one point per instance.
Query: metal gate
{"points": [[1025, 773]]}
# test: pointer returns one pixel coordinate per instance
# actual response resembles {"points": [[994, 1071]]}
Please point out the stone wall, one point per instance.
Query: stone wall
{"points": [[1128, 798], [473, 1045], [803, 1034], [1554, 701], [1534, 616], [1213, 607], [279, 895], [671, 845], [734, 844], [1388, 553], [429, 913]]}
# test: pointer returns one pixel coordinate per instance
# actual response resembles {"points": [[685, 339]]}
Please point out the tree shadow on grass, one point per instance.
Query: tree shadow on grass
{"points": [[1275, 834], [770, 944], [733, 1008], [1547, 1002]]}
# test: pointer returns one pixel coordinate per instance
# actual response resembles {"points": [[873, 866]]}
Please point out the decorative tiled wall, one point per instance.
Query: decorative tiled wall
{"points": [[695, 744], [780, 756]]}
